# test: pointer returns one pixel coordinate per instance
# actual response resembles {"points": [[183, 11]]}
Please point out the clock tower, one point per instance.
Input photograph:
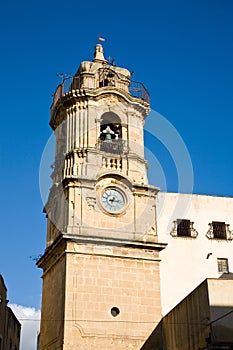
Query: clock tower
{"points": [[101, 285]]}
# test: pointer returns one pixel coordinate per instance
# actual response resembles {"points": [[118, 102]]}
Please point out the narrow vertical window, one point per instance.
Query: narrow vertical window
{"points": [[223, 265]]}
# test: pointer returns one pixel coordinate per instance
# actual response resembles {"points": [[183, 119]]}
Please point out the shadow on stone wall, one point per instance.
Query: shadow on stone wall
{"points": [[155, 340], [228, 275]]}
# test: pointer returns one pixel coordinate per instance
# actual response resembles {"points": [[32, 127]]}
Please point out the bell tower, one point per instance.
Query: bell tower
{"points": [[101, 285]]}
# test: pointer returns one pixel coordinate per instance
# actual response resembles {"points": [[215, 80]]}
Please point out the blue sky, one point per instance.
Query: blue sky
{"points": [[181, 50]]}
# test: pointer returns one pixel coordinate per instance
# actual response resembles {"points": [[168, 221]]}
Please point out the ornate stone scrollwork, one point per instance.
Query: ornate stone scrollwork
{"points": [[150, 235], [91, 202], [219, 230], [210, 232], [183, 228], [151, 231]]}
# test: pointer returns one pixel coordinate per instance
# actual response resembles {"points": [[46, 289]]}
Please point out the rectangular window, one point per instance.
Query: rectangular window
{"points": [[183, 227], [223, 265], [219, 230]]}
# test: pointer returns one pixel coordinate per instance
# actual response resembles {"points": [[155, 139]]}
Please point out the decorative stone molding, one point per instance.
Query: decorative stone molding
{"points": [[112, 163], [210, 232], [150, 235], [91, 202], [152, 231], [227, 234]]}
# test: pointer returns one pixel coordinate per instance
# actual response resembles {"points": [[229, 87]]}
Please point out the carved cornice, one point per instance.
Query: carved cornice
{"points": [[139, 244], [83, 95], [145, 190], [52, 254]]}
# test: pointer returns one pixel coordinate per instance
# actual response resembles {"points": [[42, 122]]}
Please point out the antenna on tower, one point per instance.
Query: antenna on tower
{"points": [[63, 76], [111, 61]]}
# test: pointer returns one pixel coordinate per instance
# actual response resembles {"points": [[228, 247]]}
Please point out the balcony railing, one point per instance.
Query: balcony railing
{"points": [[136, 89], [113, 146]]}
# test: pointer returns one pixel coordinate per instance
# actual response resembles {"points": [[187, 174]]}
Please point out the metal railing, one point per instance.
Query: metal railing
{"points": [[136, 89], [113, 146]]}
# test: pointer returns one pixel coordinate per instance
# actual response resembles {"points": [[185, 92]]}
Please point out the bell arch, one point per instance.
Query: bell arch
{"points": [[110, 126]]}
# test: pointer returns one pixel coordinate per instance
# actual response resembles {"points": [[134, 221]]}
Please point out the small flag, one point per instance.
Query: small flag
{"points": [[100, 38]]}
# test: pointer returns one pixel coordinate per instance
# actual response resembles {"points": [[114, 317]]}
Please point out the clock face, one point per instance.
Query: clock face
{"points": [[112, 200]]}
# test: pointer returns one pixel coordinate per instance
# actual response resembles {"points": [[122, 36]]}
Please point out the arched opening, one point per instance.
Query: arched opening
{"points": [[107, 77], [110, 127], [110, 137]]}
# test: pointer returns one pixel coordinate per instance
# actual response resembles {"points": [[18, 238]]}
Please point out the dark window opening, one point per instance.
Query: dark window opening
{"points": [[107, 77], [104, 82], [183, 227], [219, 230]]}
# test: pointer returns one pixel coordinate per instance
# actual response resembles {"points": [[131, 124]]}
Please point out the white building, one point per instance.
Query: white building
{"points": [[198, 247]]}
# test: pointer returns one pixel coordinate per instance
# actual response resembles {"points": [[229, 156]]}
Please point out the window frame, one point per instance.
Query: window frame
{"points": [[191, 232], [226, 234], [223, 265]]}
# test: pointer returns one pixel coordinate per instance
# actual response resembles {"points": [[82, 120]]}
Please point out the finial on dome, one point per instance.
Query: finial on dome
{"points": [[99, 52]]}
